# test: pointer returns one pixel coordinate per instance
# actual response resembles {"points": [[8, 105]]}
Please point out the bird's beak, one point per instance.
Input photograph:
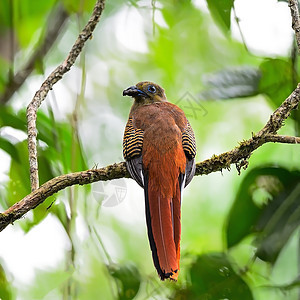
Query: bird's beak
{"points": [[133, 91]]}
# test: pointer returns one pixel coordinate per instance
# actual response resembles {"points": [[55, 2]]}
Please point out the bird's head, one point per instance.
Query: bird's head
{"points": [[146, 92]]}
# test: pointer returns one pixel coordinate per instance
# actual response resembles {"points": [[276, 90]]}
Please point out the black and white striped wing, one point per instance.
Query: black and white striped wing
{"points": [[189, 147], [132, 151]]}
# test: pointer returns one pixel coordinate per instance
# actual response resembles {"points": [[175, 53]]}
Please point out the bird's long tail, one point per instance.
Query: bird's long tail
{"points": [[164, 228]]}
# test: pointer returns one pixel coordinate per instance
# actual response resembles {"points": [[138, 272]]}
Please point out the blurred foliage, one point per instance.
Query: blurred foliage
{"points": [[238, 232], [221, 11], [269, 197], [232, 83], [212, 277], [277, 87], [5, 289], [128, 280]]}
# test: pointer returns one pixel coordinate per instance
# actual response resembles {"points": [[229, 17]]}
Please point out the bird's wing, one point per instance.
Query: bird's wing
{"points": [[132, 151], [189, 147]]}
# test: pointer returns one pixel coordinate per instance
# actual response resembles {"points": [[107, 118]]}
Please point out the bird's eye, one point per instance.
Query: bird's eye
{"points": [[151, 89]]}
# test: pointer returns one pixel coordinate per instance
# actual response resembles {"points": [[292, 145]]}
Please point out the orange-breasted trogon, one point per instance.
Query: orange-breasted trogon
{"points": [[159, 149]]}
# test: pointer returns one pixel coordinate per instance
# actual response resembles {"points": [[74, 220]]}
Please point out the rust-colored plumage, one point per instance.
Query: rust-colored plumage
{"points": [[159, 149]]}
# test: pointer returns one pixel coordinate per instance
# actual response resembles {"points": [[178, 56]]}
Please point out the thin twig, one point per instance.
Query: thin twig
{"points": [[237, 20], [283, 139], [293, 4], [47, 85]]}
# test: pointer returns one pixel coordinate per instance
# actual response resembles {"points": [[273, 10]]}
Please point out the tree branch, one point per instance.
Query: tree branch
{"points": [[54, 25], [47, 85], [238, 156], [293, 4], [283, 139], [56, 184]]}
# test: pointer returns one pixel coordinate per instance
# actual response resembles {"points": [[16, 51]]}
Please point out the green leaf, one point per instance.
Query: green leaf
{"points": [[231, 83], [46, 128], [266, 204], [244, 213], [78, 6], [5, 9], [45, 282], [45, 166], [19, 184], [8, 117], [64, 146], [9, 148], [128, 280], [212, 277], [221, 12], [286, 287], [39, 66], [281, 223], [276, 80], [5, 288], [41, 211], [4, 66], [59, 210], [29, 18], [71, 153]]}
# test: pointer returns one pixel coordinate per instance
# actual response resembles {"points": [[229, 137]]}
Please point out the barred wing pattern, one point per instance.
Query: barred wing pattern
{"points": [[133, 141], [189, 147], [189, 142], [132, 152]]}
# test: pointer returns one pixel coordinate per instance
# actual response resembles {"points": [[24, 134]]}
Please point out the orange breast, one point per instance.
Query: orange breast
{"points": [[163, 155]]}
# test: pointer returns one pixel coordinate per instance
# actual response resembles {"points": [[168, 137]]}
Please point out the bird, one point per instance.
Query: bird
{"points": [[159, 149]]}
